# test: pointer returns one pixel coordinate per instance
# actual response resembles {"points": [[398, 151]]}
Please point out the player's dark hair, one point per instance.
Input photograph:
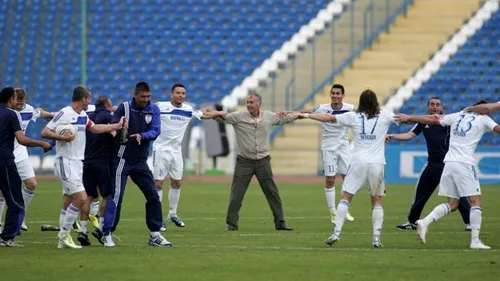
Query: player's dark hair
{"points": [[368, 104], [142, 87], [338, 86], [481, 102], [6, 94], [20, 93], [80, 92], [177, 85], [434, 98], [101, 101]]}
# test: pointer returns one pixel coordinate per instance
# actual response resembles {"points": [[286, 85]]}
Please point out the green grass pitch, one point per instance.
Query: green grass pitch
{"points": [[204, 251]]}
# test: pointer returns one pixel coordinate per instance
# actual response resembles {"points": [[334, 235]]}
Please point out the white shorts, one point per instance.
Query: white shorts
{"points": [[459, 180], [70, 173], [370, 174], [25, 169], [336, 161], [167, 163]]}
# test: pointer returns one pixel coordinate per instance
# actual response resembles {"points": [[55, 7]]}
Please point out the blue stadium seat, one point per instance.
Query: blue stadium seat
{"points": [[473, 73]]}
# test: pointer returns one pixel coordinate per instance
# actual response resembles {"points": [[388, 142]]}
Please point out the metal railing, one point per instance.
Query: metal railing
{"points": [[329, 54]]}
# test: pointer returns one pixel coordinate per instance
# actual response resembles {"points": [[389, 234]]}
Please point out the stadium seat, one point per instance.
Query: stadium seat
{"points": [[472, 74]]}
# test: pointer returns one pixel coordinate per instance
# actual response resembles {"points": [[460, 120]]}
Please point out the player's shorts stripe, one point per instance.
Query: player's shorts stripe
{"points": [[61, 168]]}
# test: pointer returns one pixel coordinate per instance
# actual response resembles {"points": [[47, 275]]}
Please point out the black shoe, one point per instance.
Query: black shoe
{"points": [[407, 226], [284, 227], [83, 238], [98, 235], [231, 228]]}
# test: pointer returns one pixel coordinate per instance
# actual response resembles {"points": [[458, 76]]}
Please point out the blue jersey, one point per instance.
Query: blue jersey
{"points": [[144, 121], [10, 123], [99, 147], [437, 138]]}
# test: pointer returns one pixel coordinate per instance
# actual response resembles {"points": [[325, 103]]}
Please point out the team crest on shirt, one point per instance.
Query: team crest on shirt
{"points": [[148, 118]]}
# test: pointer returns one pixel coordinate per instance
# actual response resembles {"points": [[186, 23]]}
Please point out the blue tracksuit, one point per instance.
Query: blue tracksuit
{"points": [[98, 156], [130, 160], [438, 141], [10, 182]]}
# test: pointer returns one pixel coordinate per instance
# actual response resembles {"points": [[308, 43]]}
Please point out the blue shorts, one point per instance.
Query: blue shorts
{"points": [[97, 179]]}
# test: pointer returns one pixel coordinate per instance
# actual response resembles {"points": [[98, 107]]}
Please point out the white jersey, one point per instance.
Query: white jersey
{"points": [[28, 114], [76, 148], [90, 109], [174, 121], [368, 135], [334, 134], [466, 131]]}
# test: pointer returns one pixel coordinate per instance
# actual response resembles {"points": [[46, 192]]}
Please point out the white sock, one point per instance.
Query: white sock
{"points": [[475, 222], [83, 226], [377, 219], [330, 199], [94, 208], [155, 234], [2, 207], [173, 198], [101, 222], [61, 218], [342, 210], [439, 211], [69, 219], [27, 196], [160, 194]]}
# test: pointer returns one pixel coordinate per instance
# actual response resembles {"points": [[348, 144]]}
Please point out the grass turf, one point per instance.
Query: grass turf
{"points": [[204, 251]]}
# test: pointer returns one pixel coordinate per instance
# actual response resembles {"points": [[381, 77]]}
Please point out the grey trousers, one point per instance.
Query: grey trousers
{"points": [[243, 173]]}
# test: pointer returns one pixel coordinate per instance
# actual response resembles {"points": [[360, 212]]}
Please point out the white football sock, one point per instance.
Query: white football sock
{"points": [[27, 197], [173, 198], [2, 207], [160, 194], [101, 222], [377, 219], [83, 226], [342, 210], [439, 211], [475, 222], [330, 199], [94, 208], [61, 218], [69, 220], [155, 234]]}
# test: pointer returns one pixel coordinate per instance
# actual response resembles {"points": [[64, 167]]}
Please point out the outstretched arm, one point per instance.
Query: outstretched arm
{"points": [[45, 114], [322, 117], [422, 119], [401, 137], [211, 114], [280, 119], [484, 108], [106, 128]]}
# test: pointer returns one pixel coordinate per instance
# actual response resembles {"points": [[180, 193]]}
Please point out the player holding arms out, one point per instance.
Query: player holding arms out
{"points": [[70, 151], [369, 125], [335, 149], [167, 149], [459, 177], [437, 138]]}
